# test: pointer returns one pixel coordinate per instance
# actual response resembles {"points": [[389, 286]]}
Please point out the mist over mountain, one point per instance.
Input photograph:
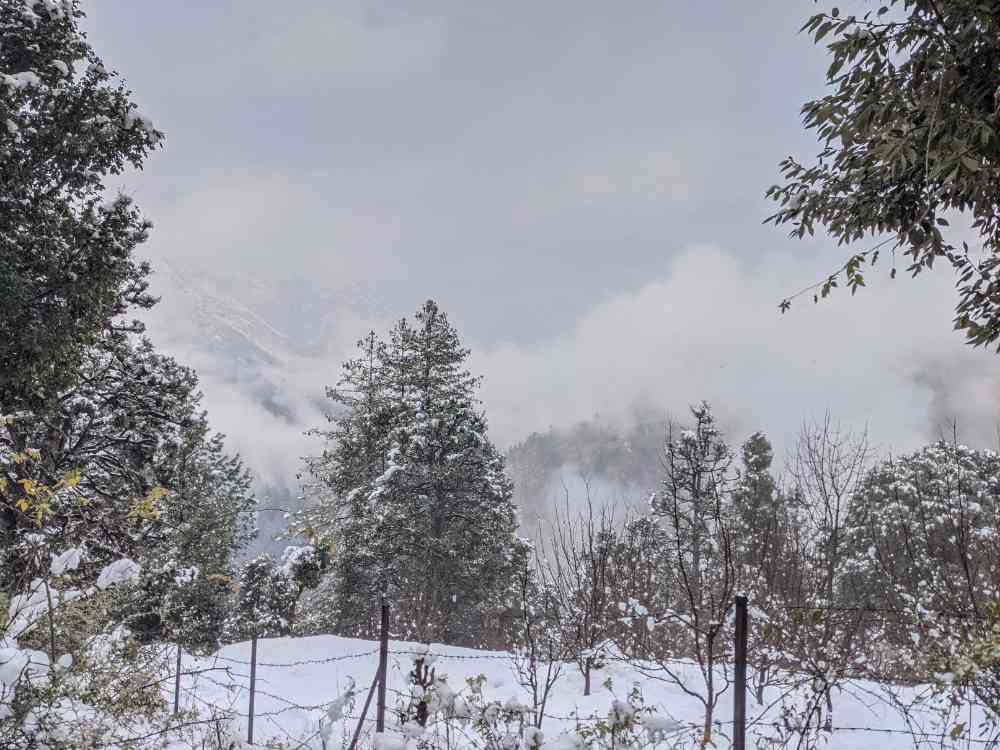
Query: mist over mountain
{"points": [[265, 349], [266, 346], [608, 460]]}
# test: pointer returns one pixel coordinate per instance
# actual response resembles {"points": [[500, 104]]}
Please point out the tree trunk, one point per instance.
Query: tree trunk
{"points": [[828, 722], [759, 680], [706, 737]]}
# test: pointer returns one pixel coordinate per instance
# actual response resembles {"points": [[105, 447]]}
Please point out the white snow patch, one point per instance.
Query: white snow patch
{"points": [[117, 572]]}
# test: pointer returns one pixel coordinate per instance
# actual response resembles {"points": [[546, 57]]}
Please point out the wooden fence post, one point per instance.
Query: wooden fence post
{"points": [[740, 678]]}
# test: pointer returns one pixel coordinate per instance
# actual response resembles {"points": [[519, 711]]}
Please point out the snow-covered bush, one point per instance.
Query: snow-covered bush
{"points": [[437, 716], [61, 692], [926, 545]]}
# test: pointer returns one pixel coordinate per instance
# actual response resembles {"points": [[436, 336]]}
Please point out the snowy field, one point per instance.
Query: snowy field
{"points": [[298, 679]]}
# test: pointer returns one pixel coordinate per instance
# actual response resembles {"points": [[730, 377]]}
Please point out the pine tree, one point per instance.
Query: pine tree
{"points": [[150, 481], [184, 592], [416, 500], [269, 592], [66, 267], [355, 456], [104, 455], [764, 521], [768, 547]]}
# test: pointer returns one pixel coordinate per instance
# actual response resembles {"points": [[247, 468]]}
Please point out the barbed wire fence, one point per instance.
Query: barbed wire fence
{"points": [[739, 724]]}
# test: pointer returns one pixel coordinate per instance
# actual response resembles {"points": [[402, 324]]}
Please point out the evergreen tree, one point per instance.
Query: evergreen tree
{"points": [[184, 592], [104, 456], [66, 267], [66, 270], [150, 481], [269, 591], [355, 456], [416, 499], [764, 519], [768, 551]]}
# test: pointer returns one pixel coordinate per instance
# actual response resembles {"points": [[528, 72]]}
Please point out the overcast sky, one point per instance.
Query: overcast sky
{"points": [[579, 184]]}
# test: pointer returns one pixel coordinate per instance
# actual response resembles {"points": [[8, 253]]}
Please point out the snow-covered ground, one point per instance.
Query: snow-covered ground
{"points": [[299, 678]]}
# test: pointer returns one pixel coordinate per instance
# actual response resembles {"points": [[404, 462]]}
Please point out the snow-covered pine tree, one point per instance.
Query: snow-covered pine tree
{"points": [[66, 269], [66, 264], [268, 592], [768, 549], [416, 497], [184, 592], [760, 508], [88, 414], [151, 482], [354, 457]]}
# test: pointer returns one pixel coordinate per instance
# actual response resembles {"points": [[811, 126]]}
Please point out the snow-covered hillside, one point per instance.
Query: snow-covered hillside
{"points": [[299, 681]]}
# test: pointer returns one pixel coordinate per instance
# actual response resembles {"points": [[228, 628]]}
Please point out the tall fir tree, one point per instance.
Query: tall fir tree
{"points": [[764, 520], [414, 495]]}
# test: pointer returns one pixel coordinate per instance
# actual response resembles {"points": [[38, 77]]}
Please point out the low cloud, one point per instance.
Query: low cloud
{"points": [[710, 329], [886, 358]]}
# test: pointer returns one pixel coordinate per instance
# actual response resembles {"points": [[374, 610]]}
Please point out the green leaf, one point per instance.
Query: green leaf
{"points": [[823, 30]]}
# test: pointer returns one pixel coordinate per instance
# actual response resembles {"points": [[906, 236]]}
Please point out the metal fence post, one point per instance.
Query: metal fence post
{"points": [[364, 713], [383, 664], [740, 686], [177, 682], [253, 685]]}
